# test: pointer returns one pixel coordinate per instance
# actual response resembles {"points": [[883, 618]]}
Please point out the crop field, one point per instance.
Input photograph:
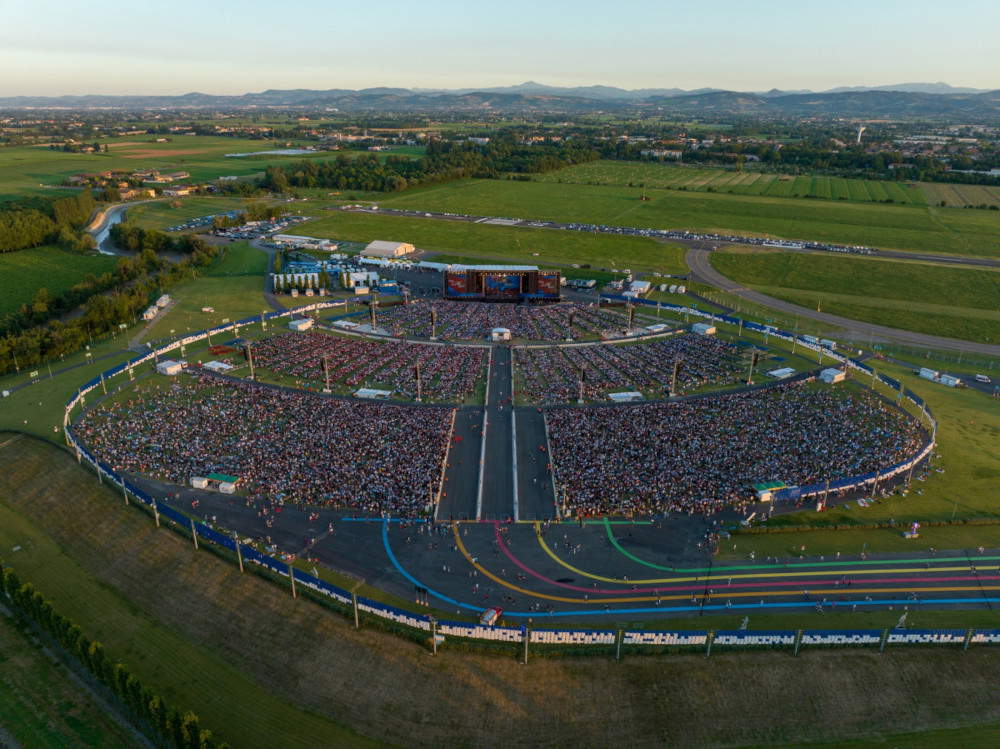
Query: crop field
{"points": [[961, 195], [503, 243], [23, 272], [37, 169], [904, 227], [953, 302], [263, 669], [651, 175]]}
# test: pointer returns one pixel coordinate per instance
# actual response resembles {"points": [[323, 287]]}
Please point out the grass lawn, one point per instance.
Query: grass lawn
{"points": [[905, 227], [954, 302], [503, 242], [665, 175], [41, 706], [264, 670], [234, 289], [23, 272]]}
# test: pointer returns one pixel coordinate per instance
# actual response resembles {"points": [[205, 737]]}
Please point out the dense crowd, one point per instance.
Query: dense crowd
{"points": [[552, 374], [703, 455], [284, 445], [448, 373], [475, 320]]}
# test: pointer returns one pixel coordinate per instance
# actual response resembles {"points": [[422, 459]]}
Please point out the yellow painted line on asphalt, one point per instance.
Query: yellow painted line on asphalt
{"points": [[850, 572], [717, 595]]}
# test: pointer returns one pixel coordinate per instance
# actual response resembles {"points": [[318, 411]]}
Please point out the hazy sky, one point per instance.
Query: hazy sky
{"points": [[176, 46]]}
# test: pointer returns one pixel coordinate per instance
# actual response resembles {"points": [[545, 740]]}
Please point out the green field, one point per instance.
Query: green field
{"points": [[23, 272], [504, 243], [905, 227], [658, 175], [163, 213], [946, 301], [234, 289], [961, 195]]}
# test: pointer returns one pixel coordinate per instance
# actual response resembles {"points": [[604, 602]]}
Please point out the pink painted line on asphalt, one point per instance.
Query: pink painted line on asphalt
{"points": [[720, 588]]}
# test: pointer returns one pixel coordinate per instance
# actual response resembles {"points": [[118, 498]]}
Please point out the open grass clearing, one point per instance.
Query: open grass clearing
{"points": [[514, 244], [918, 228]]}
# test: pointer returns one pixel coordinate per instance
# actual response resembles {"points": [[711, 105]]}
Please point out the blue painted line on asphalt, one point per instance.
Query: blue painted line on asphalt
{"points": [[829, 608], [382, 520], [415, 581]]}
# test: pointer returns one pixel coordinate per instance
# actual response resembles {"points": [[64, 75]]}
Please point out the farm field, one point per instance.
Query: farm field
{"points": [[961, 195], [501, 242], [653, 175], [36, 169], [263, 669], [23, 272], [904, 227], [953, 302]]}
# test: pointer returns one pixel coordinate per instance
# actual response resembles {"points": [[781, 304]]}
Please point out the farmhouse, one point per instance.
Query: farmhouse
{"points": [[382, 248]]}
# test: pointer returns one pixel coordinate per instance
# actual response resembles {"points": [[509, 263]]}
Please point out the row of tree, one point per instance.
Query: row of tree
{"points": [[181, 730], [135, 239]]}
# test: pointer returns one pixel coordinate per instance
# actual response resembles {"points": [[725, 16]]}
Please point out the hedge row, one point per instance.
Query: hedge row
{"points": [[171, 727]]}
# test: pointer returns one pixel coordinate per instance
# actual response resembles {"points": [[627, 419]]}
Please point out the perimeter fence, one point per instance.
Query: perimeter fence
{"points": [[422, 626]]}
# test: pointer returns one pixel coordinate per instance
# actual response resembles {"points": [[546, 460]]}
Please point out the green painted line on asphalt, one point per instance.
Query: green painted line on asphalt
{"points": [[847, 563]]}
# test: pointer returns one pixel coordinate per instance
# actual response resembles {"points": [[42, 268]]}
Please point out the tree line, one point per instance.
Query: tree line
{"points": [[40, 221], [136, 282], [171, 726], [443, 162]]}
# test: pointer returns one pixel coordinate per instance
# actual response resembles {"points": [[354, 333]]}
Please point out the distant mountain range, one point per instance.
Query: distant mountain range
{"points": [[904, 100]]}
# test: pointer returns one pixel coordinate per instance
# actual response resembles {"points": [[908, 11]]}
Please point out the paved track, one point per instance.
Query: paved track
{"points": [[701, 268]]}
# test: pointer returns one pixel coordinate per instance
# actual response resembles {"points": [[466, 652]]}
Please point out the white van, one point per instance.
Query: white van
{"points": [[983, 378]]}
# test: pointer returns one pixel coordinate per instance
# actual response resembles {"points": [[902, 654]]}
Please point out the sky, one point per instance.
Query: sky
{"points": [[55, 47]]}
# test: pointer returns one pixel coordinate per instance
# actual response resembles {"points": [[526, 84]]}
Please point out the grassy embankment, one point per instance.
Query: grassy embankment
{"points": [[952, 302], [263, 669]]}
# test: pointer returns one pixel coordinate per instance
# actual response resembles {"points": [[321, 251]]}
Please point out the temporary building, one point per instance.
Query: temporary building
{"points": [[199, 482], [832, 375], [500, 334], [301, 324], [169, 367], [217, 366], [782, 374], [626, 397], [703, 328]]}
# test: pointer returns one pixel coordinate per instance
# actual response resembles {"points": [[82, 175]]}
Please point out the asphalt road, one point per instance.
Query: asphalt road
{"points": [[500, 469], [701, 269]]}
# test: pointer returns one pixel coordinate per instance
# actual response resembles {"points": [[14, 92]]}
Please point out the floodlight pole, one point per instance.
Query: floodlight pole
{"points": [[434, 319], [250, 360], [291, 576], [416, 372], [583, 379], [673, 378], [326, 371], [239, 553], [194, 534]]}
